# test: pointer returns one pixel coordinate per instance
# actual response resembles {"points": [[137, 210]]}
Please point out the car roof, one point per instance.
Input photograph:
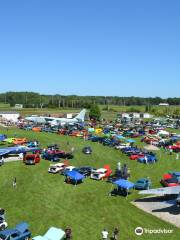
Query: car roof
{"points": [[142, 179], [101, 169]]}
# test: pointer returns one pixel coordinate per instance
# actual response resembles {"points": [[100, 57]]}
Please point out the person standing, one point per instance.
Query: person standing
{"points": [[68, 233], [14, 182], [104, 234], [115, 233]]}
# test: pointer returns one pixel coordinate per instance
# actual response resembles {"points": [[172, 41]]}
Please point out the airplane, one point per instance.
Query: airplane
{"points": [[17, 149], [165, 191], [57, 121]]}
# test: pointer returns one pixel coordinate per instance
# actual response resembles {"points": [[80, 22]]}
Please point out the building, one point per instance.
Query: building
{"points": [[163, 104], [135, 115], [9, 116], [18, 106]]}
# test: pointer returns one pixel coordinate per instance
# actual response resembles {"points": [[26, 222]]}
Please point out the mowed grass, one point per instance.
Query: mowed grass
{"points": [[44, 200]]}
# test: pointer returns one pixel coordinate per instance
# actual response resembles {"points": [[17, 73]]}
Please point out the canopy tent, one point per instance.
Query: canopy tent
{"points": [[124, 184], [120, 137], [75, 176], [130, 140], [52, 234], [55, 234]]}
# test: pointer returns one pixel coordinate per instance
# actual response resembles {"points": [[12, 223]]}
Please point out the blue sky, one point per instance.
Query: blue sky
{"points": [[91, 47]]}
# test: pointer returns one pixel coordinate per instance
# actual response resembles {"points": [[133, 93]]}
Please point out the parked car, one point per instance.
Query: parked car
{"points": [[101, 173], [32, 159], [56, 168], [20, 232], [85, 170], [3, 224], [87, 150], [143, 184], [170, 182]]}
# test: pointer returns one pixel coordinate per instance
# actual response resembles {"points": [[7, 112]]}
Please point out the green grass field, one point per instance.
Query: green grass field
{"points": [[44, 200]]}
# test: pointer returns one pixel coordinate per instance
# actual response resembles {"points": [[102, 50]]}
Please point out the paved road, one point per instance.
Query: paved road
{"points": [[161, 208]]}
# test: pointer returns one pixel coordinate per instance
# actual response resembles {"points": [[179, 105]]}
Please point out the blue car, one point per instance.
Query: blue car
{"points": [[150, 159], [20, 232], [143, 184]]}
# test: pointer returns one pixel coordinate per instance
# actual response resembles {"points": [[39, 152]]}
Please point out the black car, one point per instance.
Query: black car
{"points": [[85, 170], [87, 150]]}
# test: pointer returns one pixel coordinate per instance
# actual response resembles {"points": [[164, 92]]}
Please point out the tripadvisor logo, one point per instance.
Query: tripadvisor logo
{"points": [[139, 231]]}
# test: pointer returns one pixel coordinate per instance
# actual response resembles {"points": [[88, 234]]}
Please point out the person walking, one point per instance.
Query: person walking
{"points": [[115, 233], [104, 234], [14, 182]]}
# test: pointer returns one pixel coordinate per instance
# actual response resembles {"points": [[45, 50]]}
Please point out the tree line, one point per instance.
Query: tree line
{"points": [[34, 100]]}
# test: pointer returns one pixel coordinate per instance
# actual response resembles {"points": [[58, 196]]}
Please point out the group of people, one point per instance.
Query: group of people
{"points": [[115, 234]]}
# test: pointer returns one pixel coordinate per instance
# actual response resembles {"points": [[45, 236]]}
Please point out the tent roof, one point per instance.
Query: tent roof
{"points": [[75, 175], [130, 140], [54, 234], [124, 183]]}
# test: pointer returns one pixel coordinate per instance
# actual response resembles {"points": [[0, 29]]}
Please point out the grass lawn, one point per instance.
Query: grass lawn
{"points": [[44, 200]]}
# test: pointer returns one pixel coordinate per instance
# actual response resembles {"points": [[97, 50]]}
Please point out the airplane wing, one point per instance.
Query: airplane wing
{"points": [[162, 191], [3, 152]]}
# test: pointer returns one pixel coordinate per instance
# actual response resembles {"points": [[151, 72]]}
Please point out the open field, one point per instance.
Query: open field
{"points": [[44, 200], [108, 112]]}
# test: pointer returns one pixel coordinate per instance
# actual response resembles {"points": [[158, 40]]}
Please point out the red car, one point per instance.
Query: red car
{"points": [[136, 156], [170, 182], [32, 159]]}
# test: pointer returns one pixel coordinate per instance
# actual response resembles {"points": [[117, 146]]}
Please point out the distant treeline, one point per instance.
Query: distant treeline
{"points": [[32, 100]]}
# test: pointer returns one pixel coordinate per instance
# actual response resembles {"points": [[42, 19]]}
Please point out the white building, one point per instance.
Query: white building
{"points": [[18, 106], [164, 104], [9, 116]]}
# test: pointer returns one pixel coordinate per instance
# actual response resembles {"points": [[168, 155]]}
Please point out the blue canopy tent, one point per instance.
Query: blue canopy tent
{"points": [[130, 140], [124, 185], [120, 137], [74, 176]]}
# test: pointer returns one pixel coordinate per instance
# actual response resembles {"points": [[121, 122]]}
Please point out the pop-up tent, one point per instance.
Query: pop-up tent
{"points": [[130, 140], [52, 234], [123, 187], [124, 184], [75, 176]]}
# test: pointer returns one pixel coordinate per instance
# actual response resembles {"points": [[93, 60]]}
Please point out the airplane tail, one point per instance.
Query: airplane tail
{"points": [[81, 115]]}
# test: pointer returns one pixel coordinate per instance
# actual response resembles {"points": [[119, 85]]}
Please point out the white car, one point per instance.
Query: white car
{"points": [[3, 224], [121, 146], [56, 168], [99, 173], [68, 168]]}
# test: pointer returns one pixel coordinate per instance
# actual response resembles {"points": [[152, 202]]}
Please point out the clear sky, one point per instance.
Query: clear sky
{"points": [[91, 47]]}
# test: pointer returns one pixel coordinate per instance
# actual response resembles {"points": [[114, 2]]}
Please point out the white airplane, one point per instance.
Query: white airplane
{"points": [[165, 191], [57, 121]]}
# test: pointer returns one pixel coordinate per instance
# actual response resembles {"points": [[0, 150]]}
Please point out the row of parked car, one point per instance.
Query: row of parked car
{"points": [[98, 174]]}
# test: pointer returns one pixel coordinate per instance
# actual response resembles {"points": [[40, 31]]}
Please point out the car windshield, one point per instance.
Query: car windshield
{"points": [[140, 181], [29, 158]]}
